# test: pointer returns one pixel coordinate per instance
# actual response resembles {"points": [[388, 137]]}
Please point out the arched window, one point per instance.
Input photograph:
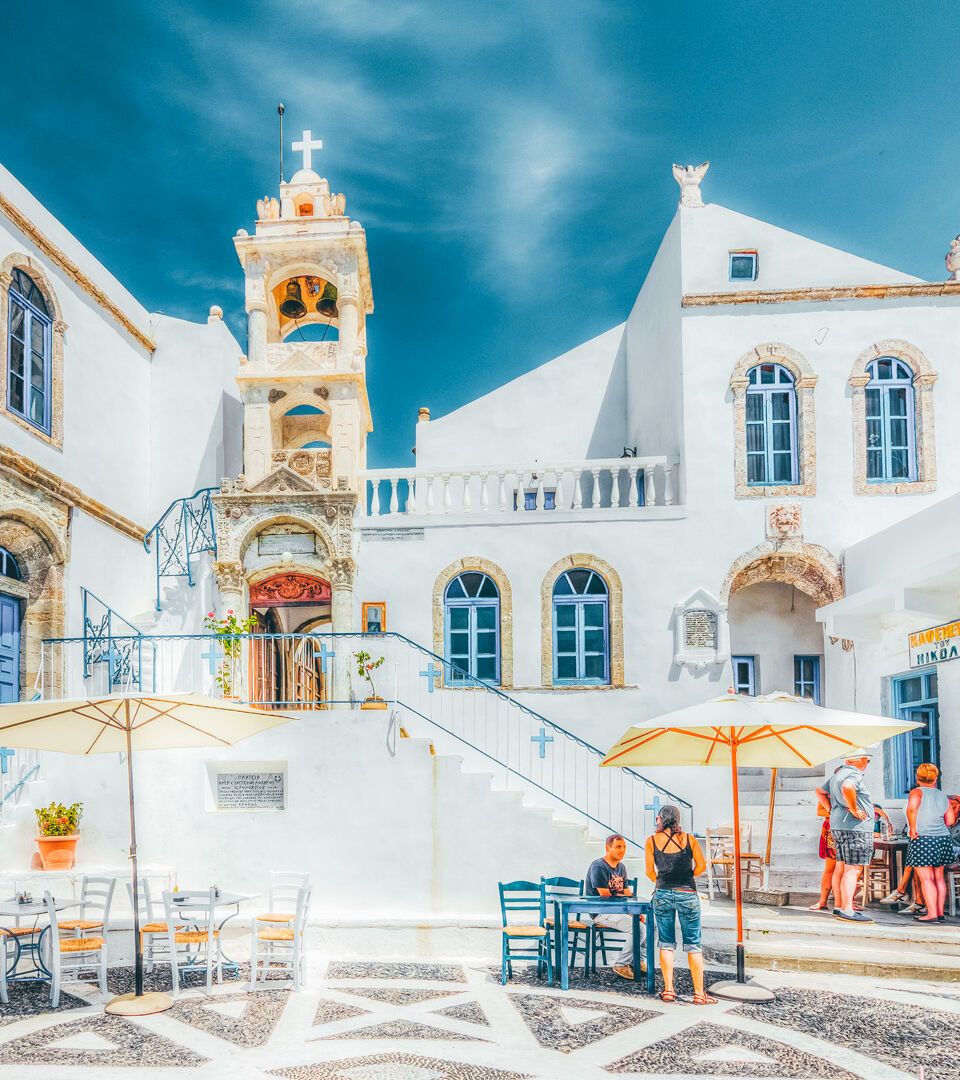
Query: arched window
{"points": [[9, 567], [471, 605], [28, 352], [581, 622], [771, 423], [891, 422]]}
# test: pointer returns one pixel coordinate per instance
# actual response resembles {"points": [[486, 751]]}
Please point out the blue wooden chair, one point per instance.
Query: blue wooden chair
{"points": [[561, 888], [606, 938], [526, 940]]}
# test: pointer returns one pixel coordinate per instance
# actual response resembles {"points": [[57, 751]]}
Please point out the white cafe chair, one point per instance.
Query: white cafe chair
{"points": [[96, 897], [204, 940], [285, 886], [280, 946], [70, 956], [153, 926]]}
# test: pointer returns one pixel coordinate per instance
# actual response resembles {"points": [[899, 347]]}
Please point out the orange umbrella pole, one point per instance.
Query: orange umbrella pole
{"points": [[738, 880]]}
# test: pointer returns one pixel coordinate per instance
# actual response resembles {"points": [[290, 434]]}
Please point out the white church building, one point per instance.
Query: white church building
{"points": [[700, 497]]}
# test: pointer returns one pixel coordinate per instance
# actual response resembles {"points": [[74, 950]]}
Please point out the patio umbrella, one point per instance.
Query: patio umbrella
{"points": [[124, 723], [771, 731]]}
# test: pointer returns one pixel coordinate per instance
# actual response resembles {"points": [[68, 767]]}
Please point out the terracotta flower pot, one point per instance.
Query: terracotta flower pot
{"points": [[57, 852], [373, 703]]}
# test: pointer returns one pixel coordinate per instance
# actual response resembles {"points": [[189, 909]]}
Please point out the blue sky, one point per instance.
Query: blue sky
{"points": [[510, 162]]}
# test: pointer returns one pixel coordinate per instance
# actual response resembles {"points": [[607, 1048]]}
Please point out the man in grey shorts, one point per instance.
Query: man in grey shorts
{"points": [[851, 824]]}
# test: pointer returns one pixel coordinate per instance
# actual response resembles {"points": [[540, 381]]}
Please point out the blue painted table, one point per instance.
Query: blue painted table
{"points": [[604, 905]]}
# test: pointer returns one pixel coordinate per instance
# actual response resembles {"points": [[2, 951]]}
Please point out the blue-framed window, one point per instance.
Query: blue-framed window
{"points": [[771, 426], [806, 677], [9, 567], [530, 499], [28, 352], [744, 265], [914, 697], [745, 675], [471, 611], [581, 629], [891, 422]]}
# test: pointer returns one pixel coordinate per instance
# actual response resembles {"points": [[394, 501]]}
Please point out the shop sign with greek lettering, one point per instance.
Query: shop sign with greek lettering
{"points": [[935, 645]]}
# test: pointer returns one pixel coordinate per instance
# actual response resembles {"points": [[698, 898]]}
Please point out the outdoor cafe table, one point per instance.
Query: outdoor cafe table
{"points": [[603, 905], [224, 900], [10, 909]]}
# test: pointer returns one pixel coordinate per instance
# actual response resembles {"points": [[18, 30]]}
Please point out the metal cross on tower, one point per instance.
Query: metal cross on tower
{"points": [[306, 146]]}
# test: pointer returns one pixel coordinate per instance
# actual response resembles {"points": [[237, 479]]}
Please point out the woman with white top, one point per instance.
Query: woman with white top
{"points": [[930, 815]]}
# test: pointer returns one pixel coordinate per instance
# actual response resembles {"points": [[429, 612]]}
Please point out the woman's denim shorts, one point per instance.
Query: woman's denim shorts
{"points": [[670, 905]]}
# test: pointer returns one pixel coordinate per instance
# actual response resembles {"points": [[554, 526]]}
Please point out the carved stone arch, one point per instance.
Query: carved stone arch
{"points": [[31, 266], [614, 612], [924, 376], [40, 543], [500, 579], [809, 567], [805, 381], [252, 529]]}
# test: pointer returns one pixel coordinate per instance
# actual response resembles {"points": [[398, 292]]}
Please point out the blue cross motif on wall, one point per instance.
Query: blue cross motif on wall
{"points": [[432, 671], [5, 752], [655, 805], [324, 653], [212, 658], [543, 738]]}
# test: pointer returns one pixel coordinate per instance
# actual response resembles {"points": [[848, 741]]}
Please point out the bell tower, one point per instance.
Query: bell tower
{"points": [[288, 519], [308, 295]]}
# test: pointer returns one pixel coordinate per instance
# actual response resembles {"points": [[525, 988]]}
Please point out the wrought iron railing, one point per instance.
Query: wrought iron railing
{"points": [[319, 671], [112, 640], [183, 530]]}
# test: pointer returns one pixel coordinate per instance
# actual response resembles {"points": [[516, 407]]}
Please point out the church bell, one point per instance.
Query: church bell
{"points": [[293, 306], [327, 304]]}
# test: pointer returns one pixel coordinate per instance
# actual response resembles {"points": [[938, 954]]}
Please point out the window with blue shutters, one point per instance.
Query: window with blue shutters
{"points": [[29, 349], [471, 607], [581, 629], [891, 422], [771, 426]]}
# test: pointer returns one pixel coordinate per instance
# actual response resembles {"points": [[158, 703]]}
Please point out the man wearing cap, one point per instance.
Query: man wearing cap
{"points": [[851, 824]]}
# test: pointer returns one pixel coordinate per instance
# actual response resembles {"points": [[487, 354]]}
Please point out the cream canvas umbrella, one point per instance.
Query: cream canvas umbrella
{"points": [[125, 723], [772, 731]]}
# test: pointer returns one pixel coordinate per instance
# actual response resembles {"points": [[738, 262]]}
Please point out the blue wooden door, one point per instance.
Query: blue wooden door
{"points": [[9, 650]]}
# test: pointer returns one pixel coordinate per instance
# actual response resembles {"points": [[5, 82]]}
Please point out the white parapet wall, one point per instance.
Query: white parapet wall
{"points": [[387, 831]]}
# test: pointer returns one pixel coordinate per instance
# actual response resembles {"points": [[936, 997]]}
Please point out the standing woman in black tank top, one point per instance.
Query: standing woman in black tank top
{"points": [[674, 861]]}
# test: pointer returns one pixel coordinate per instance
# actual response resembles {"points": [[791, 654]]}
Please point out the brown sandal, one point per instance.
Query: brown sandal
{"points": [[704, 999], [668, 996]]}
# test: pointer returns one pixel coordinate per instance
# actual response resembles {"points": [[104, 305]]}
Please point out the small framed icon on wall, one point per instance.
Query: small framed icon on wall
{"points": [[374, 617]]}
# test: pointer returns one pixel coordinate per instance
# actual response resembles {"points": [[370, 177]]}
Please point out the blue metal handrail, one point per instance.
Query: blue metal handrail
{"points": [[464, 678], [101, 645], [184, 529]]}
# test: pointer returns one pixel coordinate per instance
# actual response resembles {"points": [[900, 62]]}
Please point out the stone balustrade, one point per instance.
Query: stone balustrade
{"points": [[603, 484]]}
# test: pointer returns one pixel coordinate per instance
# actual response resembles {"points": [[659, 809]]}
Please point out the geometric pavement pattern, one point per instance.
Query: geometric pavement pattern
{"points": [[411, 1021]]}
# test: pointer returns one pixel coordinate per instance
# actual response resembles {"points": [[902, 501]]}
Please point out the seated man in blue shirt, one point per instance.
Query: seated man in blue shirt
{"points": [[608, 877]]}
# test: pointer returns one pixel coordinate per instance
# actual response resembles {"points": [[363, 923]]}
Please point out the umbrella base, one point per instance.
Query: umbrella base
{"points": [[741, 991], [144, 1005]]}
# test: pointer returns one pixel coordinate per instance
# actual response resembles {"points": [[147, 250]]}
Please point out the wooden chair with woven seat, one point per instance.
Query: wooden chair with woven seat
{"points": [[285, 886], [606, 938], [274, 945], [153, 925], [86, 953], [562, 888], [720, 860], [96, 896], [526, 939], [204, 938]]}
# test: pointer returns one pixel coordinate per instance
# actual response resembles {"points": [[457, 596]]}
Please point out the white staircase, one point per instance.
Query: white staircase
{"points": [[795, 864]]}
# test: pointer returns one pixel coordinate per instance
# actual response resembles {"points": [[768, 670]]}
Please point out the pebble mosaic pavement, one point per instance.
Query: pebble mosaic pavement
{"points": [[410, 1021]]}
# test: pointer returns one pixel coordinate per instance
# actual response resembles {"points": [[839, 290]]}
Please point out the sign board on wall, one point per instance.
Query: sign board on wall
{"points": [[246, 786], [935, 645]]}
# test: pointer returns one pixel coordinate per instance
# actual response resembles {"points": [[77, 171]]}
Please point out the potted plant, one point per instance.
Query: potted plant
{"points": [[228, 630], [57, 834], [366, 665]]}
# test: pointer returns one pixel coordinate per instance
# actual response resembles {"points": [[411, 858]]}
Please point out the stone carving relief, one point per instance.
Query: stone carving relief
{"points": [[953, 259], [700, 633], [689, 178], [289, 588], [784, 521], [268, 208]]}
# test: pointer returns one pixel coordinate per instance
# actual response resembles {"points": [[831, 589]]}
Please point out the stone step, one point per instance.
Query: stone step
{"points": [[799, 955], [784, 784]]}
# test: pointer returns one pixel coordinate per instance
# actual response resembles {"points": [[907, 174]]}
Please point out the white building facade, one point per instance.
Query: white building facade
{"points": [[658, 514]]}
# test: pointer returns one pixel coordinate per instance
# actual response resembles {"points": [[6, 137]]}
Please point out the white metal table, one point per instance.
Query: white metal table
{"points": [[32, 944], [226, 900]]}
